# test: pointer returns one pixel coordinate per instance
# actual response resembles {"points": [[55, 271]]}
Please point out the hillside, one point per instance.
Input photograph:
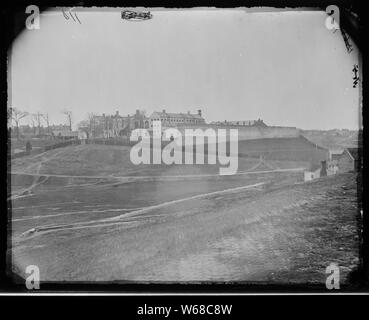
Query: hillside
{"points": [[105, 160], [288, 149], [333, 139]]}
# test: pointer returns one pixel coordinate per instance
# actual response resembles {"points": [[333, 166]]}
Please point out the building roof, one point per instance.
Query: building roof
{"points": [[258, 122], [175, 115], [354, 153], [335, 154]]}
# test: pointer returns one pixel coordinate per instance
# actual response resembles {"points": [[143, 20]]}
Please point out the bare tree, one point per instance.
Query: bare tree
{"points": [[69, 117], [33, 123], [92, 122], [16, 115], [45, 116], [37, 117], [10, 113]]}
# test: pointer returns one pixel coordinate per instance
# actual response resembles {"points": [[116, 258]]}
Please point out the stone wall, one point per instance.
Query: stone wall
{"points": [[252, 133]]}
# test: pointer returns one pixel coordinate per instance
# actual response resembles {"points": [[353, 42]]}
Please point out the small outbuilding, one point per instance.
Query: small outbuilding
{"points": [[347, 160], [313, 173]]}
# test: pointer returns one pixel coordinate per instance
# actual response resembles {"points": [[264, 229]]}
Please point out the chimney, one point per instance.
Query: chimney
{"points": [[137, 111], [117, 113], [163, 110], [199, 112], [188, 112], [103, 115]]}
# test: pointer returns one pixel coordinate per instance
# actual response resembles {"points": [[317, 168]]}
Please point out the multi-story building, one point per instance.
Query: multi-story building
{"points": [[109, 126], [177, 119]]}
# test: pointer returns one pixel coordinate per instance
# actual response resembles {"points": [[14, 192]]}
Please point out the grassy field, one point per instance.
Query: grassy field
{"points": [[103, 160], [333, 141], [283, 235], [117, 221]]}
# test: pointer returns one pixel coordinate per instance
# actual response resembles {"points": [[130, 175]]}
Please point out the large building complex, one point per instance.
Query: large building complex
{"points": [[177, 119], [116, 125], [108, 126]]}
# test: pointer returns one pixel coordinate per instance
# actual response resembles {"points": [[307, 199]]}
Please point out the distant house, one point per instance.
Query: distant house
{"points": [[60, 127], [327, 168], [356, 154], [65, 135], [335, 154], [347, 160]]}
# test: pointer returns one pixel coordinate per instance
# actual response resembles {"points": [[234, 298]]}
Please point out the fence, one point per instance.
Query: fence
{"points": [[110, 141], [43, 149], [106, 141]]}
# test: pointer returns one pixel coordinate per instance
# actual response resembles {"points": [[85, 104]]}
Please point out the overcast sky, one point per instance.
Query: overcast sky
{"points": [[286, 68]]}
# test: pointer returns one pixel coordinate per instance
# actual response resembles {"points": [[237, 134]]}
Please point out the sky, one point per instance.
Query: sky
{"points": [[286, 68]]}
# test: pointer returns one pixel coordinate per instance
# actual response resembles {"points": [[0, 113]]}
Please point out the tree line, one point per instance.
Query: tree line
{"points": [[16, 115]]}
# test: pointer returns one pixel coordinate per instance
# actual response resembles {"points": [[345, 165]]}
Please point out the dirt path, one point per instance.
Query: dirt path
{"points": [[287, 234], [158, 177], [121, 218], [38, 178]]}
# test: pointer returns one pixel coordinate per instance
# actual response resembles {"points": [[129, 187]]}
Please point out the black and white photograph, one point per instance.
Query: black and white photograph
{"points": [[185, 146]]}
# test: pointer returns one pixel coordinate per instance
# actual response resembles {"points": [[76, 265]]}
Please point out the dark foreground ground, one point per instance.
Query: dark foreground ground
{"points": [[280, 233]]}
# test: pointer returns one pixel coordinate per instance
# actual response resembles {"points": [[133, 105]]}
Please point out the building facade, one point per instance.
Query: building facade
{"points": [[111, 126], [347, 160], [176, 119]]}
